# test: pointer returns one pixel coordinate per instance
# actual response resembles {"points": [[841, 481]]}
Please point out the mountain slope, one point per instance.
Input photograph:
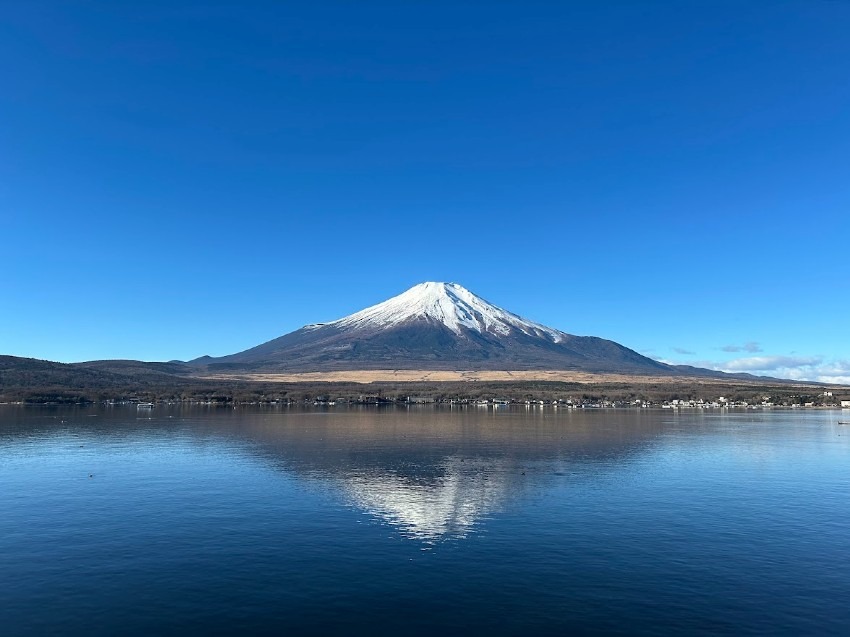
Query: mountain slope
{"points": [[435, 326], [36, 380]]}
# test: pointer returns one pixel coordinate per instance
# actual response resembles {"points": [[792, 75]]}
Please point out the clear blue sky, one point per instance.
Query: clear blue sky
{"points": [[179, 179]]}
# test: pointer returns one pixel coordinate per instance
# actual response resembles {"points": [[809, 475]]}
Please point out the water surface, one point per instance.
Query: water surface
{"points": [[383, 521]]}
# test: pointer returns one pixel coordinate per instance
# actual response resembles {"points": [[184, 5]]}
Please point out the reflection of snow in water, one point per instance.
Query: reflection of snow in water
{"points": [[447, 506]]}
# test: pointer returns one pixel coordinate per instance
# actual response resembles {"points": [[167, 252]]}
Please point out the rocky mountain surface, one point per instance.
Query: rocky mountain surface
{"points": [[435, 326]]}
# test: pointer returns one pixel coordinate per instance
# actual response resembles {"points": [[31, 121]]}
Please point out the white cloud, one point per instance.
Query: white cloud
{"points": [[769, 363], [834, 380], [803, 368]]}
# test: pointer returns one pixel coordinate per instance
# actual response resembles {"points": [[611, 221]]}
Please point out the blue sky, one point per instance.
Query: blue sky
{"points": [[179, 179]]}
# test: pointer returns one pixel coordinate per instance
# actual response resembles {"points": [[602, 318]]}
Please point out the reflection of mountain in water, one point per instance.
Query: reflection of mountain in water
{"points": [[432, 473], [446, 506], [436, 474]]}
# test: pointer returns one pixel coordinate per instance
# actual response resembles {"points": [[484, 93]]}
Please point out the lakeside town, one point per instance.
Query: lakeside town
{"points": [[827, 400]]}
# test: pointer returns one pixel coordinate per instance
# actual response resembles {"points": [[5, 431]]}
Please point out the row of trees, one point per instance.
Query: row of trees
{"points": [[245, 392]]}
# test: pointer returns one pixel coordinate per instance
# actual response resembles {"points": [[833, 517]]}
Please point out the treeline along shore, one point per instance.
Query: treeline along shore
{"points": [[32, 381]]}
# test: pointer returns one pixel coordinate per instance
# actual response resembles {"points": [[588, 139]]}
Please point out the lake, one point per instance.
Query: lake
{"points": [[423, 521]]}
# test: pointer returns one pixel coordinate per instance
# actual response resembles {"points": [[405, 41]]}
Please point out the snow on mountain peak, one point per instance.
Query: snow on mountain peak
{"points": [[450, 304]]}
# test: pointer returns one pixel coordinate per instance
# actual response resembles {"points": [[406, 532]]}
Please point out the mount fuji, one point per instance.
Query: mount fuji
{"points": [[435, 326]]}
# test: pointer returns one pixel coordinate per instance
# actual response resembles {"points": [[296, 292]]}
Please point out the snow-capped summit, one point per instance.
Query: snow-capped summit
{"points": [[449, 304], [434, 326]]}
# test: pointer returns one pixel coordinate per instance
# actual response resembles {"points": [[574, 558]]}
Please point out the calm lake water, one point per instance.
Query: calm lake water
{"points": [[425, 521]]}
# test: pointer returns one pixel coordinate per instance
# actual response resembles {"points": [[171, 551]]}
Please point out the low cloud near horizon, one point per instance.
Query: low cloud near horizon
{"points": [[771, 363], [683, 352], [806, 368]]}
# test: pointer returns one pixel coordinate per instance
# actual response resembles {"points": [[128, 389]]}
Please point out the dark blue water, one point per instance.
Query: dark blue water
{"points": [[348, 521]]}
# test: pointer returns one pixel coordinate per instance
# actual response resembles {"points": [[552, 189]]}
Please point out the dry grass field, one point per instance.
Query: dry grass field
{"points": [[418, 376]]}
